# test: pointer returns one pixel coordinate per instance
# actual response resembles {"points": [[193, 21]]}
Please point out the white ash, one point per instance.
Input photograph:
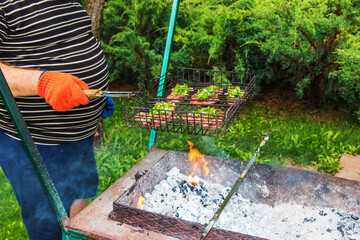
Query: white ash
{"points": [[177, 197]]}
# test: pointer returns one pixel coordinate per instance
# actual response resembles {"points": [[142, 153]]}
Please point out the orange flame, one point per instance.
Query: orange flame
{"points": [[140, 201], [196, 159]]}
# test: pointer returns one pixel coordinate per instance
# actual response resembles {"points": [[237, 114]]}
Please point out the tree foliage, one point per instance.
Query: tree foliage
{"points": [[303, 41], [348, 74], [308, 45], [133, 34]]}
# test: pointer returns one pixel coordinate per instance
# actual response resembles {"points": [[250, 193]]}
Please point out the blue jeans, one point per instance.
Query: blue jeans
{"points": [[72, 168]]}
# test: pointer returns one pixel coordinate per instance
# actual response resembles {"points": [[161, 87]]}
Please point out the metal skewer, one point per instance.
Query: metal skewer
{"points": [[94, 93], [233, 190]]}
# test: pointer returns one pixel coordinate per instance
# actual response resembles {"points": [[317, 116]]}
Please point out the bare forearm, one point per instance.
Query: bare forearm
{"points": [[22, 82]]}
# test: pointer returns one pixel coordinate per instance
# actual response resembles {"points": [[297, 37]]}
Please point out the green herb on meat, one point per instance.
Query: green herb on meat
{"points": [[205, 93], [181, 89], [162, 108], [207, 110], [236, 92]]}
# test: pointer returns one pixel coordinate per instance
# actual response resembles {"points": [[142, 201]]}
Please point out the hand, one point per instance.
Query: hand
{"points": [[109, 108], [61, 90]]}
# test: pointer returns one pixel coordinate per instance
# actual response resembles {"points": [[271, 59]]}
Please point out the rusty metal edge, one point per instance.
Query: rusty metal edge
{"points": [[78, 223]]}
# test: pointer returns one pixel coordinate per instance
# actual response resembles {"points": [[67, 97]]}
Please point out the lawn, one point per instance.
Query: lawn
{"points": [[300, 134]]}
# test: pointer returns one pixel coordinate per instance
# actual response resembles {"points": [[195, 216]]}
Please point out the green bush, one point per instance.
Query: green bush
{"points": [[310, 46], [348, 74], [133, 36], [209, 34], [306, 44]]}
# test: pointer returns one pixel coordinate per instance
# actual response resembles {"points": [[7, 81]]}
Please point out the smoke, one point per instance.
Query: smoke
{"points": [[209, 146]]}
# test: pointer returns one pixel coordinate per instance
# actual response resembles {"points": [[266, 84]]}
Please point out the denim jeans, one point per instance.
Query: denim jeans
{"points": [[72, 168]]}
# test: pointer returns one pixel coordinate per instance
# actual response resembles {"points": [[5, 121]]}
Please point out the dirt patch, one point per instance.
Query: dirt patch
{"points": [[350, 167], [284, 102], [281, 100], [294, 165]]}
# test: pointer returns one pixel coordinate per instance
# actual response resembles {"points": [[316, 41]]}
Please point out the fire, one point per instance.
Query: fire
{"points": [[140, 201], [196, 159], [193, 180]]}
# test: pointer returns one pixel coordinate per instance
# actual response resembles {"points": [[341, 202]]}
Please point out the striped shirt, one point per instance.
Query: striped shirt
{"points": [[53, 35]]}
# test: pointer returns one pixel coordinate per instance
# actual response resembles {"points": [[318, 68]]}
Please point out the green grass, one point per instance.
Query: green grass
{"points": [[11, 225], [312, 139]]}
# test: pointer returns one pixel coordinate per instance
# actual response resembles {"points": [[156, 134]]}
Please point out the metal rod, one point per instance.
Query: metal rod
{"points": [[233, 190], [94, 93], [165, 64], [32, 150]]}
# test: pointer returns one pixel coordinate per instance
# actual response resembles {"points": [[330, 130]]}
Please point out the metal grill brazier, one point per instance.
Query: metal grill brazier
{"points": [[284, 185]]}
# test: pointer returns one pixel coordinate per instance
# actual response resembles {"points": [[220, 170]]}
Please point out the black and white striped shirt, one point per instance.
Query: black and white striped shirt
{"points": [[52, 35]]}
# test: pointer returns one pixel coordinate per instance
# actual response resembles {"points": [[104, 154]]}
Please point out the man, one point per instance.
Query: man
{"points": [[48, 57]]}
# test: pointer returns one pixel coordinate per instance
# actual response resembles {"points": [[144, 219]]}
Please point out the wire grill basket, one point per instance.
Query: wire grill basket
{"points": [[188, 113]]}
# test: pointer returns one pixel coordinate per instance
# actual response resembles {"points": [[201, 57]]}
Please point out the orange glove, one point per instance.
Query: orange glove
{"points": [[61, 90]]}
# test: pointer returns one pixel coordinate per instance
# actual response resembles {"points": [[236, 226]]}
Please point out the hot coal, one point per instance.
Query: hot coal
{"points": [[176, 196]]}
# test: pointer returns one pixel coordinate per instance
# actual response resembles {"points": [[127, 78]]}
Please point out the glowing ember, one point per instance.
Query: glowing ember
{"points": [[196, 159], [193, 180], [140, 201]]}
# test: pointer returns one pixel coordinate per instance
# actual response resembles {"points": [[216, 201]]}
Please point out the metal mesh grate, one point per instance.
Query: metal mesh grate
{"points": [[185, 117]]}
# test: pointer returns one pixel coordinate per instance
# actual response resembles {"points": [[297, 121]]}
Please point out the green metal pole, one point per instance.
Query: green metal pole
{"points": [[32, 150], [165, 64]]}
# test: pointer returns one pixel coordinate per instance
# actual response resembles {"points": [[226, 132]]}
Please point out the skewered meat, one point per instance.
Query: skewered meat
{"points": [[156, 120], [208, 118], [162, 113]]}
